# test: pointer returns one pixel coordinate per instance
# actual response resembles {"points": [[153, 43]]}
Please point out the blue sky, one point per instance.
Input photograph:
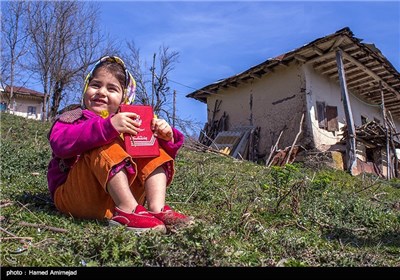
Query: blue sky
{"points": [[218, 39]]}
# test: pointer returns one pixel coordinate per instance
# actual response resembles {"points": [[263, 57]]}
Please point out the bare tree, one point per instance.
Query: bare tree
{"points": [[138, 69], [40, 27], [66, 40], [153, 85], [14, 42], [152, 82], [162, 91]]}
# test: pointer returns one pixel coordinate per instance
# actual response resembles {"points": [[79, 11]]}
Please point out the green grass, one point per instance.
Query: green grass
{"points": [[246, 215]]}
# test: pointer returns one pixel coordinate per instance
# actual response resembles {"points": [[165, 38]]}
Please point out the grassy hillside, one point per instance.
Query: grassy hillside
{"points": [[246, 215]]}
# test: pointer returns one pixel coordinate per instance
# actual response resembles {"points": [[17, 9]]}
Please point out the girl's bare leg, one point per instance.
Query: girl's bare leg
{"points": [[118, 188], [156, 187]]}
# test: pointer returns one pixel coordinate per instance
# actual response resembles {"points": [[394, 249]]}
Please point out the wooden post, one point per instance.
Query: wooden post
{"points": [[251, 109], [267, 162], [351, 141], [393, 134], [174, 109], [388, 161], [153, 87], [295, 139]]}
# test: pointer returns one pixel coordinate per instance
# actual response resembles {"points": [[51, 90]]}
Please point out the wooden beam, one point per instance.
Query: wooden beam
{"points": [[318, 50], [388, 164], [327, 70], [376, 67], [337, 43], [326, 63], [351, 131], [300, 58], [369, 72], [325, 56], [255, 76], [359, 81], [349, 70]]}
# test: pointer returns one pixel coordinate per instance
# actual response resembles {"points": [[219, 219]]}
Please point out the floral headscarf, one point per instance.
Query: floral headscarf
{"points": [[128, 96]]}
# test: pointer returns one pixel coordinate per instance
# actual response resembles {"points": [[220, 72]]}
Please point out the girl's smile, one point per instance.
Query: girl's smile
{"points": [[104, 92]]}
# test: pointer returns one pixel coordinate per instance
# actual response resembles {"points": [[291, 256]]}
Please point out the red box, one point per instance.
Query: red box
{"points": [[144, 144]]}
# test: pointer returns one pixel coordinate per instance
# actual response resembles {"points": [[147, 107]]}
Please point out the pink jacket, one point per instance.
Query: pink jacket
{"points": [[78, 131]]}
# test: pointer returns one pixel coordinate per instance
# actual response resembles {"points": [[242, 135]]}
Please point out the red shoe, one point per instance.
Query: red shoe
{"points": [[172, 218], [140, 220]]}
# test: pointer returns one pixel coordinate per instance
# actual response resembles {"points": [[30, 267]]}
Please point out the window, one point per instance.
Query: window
{"points": [[327, 117], [373, 155], [31, 110], [331, 118], [369, 154]]}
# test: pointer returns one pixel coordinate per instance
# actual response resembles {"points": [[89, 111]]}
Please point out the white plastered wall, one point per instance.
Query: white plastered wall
{"points": [[20, 108], [320, 88], [277, 104], [278, 101]]}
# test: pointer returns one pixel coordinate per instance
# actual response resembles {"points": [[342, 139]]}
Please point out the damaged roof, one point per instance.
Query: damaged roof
{"points": [[367, 70]]}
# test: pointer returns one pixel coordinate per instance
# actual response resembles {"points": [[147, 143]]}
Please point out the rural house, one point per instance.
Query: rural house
{"points": [[25, 102], [335, 96]]}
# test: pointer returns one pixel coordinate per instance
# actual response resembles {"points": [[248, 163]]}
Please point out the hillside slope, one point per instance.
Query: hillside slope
{"points": [[246, 215]]}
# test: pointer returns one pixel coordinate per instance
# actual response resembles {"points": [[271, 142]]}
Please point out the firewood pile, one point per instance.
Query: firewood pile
{"points": [[375, 135]]}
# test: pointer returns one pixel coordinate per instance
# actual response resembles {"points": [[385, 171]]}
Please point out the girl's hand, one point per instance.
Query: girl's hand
{"points": [[126, 123], [162, 129]]}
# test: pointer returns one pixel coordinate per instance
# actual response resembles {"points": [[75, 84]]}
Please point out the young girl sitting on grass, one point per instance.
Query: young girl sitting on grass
{"points": [[91, 175]]}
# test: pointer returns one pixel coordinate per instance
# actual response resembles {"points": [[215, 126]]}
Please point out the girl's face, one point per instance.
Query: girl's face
{"points": [[104, 92]]}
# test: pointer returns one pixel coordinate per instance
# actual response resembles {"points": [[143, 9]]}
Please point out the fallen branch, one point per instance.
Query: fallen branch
{"points": [[375, 197], [16, 237], [197, 146], [369, 186], [55, 229], [9, 233], [13, 236], [5, 204], [273, 149], [295, 139]]}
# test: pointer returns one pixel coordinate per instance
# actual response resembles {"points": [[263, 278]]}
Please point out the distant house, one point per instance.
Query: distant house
{"points": [[324, 97], [25, 102]]}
